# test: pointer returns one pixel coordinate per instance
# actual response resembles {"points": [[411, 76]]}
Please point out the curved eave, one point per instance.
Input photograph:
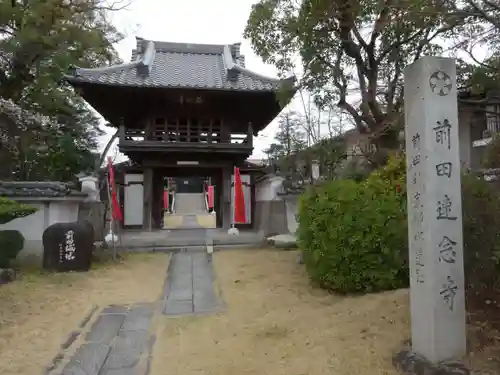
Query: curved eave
{"points": [[79, 80], [289, 81], [232, 66], [81, 74], [144, 62]]}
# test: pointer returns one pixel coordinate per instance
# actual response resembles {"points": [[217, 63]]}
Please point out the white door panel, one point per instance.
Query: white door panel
{"points": [[134, 199]]}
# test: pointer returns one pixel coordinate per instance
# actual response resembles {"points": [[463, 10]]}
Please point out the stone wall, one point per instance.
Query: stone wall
{"points": [[31, 227], [276, 210], [57, 210], [270, 217], [291, 209]]}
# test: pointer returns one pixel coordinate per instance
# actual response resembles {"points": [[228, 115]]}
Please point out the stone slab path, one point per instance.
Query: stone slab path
{"points": [[118, 343], [190, 285], [117, 340]]}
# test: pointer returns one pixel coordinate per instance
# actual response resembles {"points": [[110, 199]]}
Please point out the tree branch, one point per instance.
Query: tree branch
{"points": [[380, 23]]}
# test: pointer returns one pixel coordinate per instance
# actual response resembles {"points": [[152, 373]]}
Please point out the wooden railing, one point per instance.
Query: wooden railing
{"points": [[132, 134], [492, 124], [175, 134], [188, 132]]}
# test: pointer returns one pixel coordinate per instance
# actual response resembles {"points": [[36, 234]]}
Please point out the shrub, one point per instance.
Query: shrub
{"points": [[391, 177], [354, 234], [353, 237], [11, 243], [10, 210], [490, 157], [354, 170], [481, 223]]}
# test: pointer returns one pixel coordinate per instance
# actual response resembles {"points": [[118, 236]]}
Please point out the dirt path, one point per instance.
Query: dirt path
{"points": [[274, 324], [39, 311]]}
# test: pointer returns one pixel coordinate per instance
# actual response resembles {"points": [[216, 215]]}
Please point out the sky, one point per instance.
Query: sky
{"points": [[194, 21], [191, 21]]}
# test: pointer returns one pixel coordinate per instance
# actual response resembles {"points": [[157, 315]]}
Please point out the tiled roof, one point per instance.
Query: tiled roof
{"points": [[35, 189], [179, 65]]}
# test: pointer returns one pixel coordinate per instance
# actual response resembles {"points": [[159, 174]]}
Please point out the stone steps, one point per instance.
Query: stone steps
{"points": [[190, 203]]}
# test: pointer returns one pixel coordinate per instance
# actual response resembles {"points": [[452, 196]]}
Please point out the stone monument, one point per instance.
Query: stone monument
{"points": [[68, 246], [437, 295]]}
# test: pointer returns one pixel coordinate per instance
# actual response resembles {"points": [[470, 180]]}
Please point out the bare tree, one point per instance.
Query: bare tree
{"points": [[347, 47], [320, 120]]}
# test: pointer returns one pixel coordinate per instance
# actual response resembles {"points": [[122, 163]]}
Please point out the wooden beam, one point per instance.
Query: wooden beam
{"points": [[173, 164], [121, 134], [159, 146], [250, 135]]}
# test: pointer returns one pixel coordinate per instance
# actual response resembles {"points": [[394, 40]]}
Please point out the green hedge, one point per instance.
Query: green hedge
{"points": [[10, 210], [481, 222], [11, 243], [354, 234], [353, 237]]}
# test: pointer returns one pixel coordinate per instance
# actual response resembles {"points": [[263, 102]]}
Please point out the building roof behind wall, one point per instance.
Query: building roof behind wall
{"points": [[38, 189]]}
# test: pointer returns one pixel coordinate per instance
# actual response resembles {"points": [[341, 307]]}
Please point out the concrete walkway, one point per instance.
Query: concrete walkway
{"points": [[190, 285], [165, 240]]}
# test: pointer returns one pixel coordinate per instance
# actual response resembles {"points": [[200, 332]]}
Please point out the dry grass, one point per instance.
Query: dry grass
{"points": [[38, 312], [276, 324]]}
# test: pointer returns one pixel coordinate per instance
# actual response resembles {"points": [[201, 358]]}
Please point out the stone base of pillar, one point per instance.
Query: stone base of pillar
{"points": [[411, 363], [233, 231]]}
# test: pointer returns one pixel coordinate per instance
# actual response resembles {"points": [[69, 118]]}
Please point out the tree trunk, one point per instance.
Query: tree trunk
{"points": [[105, 152], [384, 145]]}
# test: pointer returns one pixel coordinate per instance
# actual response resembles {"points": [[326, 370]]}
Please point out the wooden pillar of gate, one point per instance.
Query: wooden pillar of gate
{"points": [[148, 199]]}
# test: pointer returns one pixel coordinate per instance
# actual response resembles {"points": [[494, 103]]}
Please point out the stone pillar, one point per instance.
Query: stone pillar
{"points": [[315, 170], [434, 210], [90, 186], [148, 198]]}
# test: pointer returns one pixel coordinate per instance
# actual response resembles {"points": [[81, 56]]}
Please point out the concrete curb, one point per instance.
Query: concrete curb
{"points": [[196, 248]]}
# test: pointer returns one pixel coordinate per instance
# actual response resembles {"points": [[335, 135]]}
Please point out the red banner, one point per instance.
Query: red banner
{"points": [[239, 199], [116, 212], [210, 196], [165, 199]]}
